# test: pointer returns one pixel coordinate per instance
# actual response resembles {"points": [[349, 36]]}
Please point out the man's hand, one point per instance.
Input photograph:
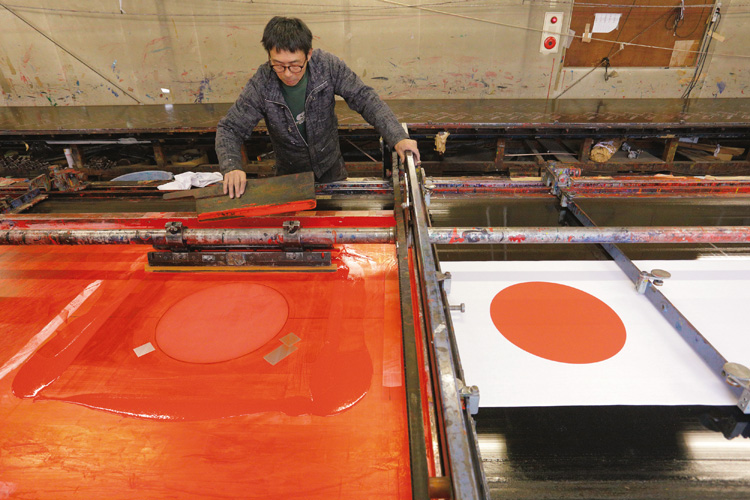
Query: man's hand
{"points": [[234, 183], [405, 145]]}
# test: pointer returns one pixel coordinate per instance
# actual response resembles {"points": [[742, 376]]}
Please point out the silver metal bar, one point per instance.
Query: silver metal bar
{"points": [[261, 237], [465, 464], [646, 234], [412, 367]]}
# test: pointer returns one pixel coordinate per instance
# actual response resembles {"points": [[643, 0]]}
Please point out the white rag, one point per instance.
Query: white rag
{"points": [[188, 179]]}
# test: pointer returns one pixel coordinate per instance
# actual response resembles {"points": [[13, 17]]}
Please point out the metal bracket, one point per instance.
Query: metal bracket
{"points": [[738, 375], [656, 277], [427, 192], [174, 238], [445, 279], [291, 234], [557, 178], [470, 396]]}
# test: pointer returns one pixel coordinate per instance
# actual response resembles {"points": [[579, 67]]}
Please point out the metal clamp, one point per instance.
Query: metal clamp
{"points": [[445, 279], [738, 375], [656, 277], [291, 234], [470, 396], [174, 237]]}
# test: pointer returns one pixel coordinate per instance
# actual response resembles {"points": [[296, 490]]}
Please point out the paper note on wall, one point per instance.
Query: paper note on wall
{"points": [[605, 23]]}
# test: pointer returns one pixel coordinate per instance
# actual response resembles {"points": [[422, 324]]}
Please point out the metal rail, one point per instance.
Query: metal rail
{"points": [[467, 475], [270, 237], [646, 234], [260, 237], [417, 443]]}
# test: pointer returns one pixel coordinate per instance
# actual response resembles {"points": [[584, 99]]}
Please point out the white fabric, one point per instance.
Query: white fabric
{"points": [[655, 367], [187, 180]]}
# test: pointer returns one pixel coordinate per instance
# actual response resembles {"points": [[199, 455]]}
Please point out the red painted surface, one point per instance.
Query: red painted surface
{"points": [[222, 322], [157, 220], [558, 322], [318, 424], [254, 211]]}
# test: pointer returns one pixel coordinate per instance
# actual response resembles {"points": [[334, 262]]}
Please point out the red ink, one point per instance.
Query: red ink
{"points": [[558, 322], [221, 323], [320, 424], [206, 364]]}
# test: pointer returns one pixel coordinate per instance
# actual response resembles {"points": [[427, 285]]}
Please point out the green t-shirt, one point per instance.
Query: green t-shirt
{"points": [[295, 99]]}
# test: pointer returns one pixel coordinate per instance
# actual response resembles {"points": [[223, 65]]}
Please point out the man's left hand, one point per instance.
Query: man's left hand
{"points": [[405, 145]]}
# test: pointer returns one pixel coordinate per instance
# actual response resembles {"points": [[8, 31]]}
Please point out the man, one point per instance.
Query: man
{"points": [[294, 92]]}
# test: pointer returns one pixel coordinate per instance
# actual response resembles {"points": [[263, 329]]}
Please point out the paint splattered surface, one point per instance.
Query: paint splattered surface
{"points": [[84, 416]]}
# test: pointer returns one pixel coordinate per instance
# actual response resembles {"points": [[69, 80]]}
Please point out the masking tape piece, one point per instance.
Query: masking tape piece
{"points": [[279, 353], [144, 349], [290, 340]]}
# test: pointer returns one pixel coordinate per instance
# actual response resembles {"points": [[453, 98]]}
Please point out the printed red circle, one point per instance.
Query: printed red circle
{"points": [[550, 42], [558, 322], [221, 323]]}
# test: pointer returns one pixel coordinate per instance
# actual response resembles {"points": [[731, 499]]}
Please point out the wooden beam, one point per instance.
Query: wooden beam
{"points": [[500, 153], [670, 148], [585, 151], [161, 160]]}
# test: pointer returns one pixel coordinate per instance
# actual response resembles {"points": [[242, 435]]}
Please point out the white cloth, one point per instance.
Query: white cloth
{"points": [[194, 179]]}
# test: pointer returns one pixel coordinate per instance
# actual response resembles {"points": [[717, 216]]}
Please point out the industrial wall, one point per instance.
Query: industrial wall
{"points": [[94, 52]]}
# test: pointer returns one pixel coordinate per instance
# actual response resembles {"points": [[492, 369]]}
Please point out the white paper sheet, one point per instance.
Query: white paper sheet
{"points": [[655, 366], [605, 23]]}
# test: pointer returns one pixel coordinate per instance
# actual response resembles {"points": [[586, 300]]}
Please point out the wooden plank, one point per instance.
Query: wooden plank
{"points": [[669, 150], [271, 195], [710, 148]]}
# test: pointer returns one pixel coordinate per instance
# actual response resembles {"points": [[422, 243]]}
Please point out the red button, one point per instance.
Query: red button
{"points": [[553, 20], [550, 42]]}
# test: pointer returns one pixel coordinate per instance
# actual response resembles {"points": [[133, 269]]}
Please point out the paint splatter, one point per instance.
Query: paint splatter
{"points": [[114, 65], [205, 85], [721, 86]]}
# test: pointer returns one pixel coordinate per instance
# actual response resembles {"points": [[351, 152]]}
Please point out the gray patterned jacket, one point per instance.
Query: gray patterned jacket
{"points": [[262, 99]]}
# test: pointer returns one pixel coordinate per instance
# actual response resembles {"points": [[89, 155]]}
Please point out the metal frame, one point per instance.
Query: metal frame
{"points": [[461, 447]]}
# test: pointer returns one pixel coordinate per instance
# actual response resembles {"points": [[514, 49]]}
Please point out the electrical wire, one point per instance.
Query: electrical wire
{"points": [[703, 53], [422, 8], [619, 32]]}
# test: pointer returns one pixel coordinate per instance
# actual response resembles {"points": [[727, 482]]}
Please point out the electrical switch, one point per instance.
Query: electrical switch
{"points": [[551, 32]]}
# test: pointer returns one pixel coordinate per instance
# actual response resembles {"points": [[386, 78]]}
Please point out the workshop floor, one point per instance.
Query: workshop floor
{"points": [[304, 402]]}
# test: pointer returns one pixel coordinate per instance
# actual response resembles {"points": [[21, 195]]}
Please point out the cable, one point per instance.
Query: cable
{"points": [[619, 32], [705, 46], [413, 7]]}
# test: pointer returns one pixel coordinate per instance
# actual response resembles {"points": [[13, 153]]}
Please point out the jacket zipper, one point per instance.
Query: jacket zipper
{"points": [[290, 111]]}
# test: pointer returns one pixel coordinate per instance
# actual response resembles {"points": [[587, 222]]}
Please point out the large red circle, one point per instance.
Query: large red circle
{"points": [[558, 322], [221, 323]]}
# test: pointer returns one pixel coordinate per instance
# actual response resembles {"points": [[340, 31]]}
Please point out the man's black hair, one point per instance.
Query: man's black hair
{"points": [[287, 33]]}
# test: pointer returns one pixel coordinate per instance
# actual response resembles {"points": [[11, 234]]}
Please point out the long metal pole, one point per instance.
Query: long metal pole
{"points": [[436, 236], [466, 472], [478, 235], [197, 237], [417, 443]]}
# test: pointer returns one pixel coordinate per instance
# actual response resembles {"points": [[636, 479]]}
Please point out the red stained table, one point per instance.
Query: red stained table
{"points": [[294, 389]]}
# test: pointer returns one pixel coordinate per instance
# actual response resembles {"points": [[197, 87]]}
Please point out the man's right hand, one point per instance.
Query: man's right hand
{"points": [[234, 183]]}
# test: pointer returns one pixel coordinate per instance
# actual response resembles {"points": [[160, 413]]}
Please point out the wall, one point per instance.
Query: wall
{"points": [[205, 50]]}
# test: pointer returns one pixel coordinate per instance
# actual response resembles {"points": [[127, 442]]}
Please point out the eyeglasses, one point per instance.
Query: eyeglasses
{"points": [[293, 68]]}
